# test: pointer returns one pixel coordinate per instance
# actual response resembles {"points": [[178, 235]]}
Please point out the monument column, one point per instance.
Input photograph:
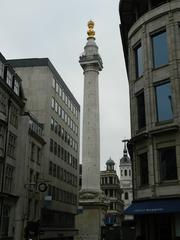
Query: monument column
{"points": [[91, 63], [91, 199]]}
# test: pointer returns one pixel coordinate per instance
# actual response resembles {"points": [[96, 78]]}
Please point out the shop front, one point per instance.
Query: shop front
{"points": [[157, 219]]}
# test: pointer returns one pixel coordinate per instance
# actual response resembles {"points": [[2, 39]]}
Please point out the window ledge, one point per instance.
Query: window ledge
{"points": [[144, 187], [164, 129], [160, 123], [139, 78], [160, 67], [168, 183], [140, 135]]}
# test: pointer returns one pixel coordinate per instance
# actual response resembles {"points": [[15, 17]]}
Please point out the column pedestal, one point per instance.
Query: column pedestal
{"points": [[91, 218]]}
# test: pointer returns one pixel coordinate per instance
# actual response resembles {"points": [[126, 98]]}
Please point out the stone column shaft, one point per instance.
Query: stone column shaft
{"points": [[91, 131]]}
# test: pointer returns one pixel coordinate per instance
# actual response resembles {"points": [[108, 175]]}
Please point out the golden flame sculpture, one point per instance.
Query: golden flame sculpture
{"points": [[90, 32]]}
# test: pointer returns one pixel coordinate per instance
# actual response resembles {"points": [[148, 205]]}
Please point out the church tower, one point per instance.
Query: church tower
{"points": [[126, 177]]}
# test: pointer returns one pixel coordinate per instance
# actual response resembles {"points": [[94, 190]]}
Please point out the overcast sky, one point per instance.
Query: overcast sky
{"points": [[57, 29]]}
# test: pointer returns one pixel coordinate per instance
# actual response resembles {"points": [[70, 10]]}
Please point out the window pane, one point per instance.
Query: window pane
{"points": [[52, 103], [141, 111], [160, 49], [139, 61], [9, 78], [168, 168], [53, 82], [16, 87], [1, 69], [164, 102], [143, 169], [126, 196]]}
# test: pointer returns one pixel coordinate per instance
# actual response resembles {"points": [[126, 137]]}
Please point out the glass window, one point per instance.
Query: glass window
{"points": [[51, 145], [59, 151], [111, 192], [167, 163], [55, 148], [5, 220], [9, 78], [59, 110], [62, 114], [52, 123], [3, 103], [143, 169], [14, 116], [50, 168], [1, 69], [126, 196], [164, 102], [55, 126], [53, 82], [141, 111], [8, 178], [2, 139], [65, 117], [63, 95], [32, 157], [52, 103], [56, 106], [60, 91], [11, 145], [38, 155], [66, 100], [16, 87], [54, 170], [139, 61], [57, 87], [160, 49]]}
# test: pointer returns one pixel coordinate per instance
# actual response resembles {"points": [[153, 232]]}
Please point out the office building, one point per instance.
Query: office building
{"points": [[53, 104], [150, 34]]}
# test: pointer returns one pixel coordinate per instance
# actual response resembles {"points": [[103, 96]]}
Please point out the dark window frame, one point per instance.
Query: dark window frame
{"points": [[153, 35], [163, 173], [162, 83], [138, 69], [141, 110], [143, 168]]}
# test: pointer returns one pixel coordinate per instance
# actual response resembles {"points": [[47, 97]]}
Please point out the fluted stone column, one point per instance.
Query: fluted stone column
{"points": [[91, 199], [91, 63]]}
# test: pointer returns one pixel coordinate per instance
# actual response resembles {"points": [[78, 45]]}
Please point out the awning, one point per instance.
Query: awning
{"points": [[155, 206]]}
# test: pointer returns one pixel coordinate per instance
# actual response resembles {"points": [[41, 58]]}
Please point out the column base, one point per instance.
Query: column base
{"points": [[89, 222]]}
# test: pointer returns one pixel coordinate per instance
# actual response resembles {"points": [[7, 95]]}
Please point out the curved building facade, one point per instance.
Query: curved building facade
{"points": [[150, 32]]}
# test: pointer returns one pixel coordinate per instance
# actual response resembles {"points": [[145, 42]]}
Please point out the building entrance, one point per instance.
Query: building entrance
{"points": [[163, 229]]}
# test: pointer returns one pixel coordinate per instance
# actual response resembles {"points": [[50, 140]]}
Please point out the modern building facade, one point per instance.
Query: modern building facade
{"points": [[51, 101], [150, 33], [12, 104]]}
